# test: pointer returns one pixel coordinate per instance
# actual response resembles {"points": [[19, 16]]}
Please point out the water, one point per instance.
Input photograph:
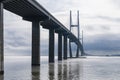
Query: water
{"points": [[90, 68]]}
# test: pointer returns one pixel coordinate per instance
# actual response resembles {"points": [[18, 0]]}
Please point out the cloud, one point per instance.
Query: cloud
{"points": [[103, 42], [105, 27], [116, 3], [109, 18], [48, 4]]}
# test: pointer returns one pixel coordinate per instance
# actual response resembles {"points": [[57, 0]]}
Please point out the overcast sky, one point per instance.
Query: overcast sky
{"points": [[99, 19]]}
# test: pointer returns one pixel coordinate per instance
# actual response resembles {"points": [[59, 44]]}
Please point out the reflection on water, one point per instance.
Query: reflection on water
{"points": [[35, 73], [51, 71], [19, 68], [65, 74], [60, 71], [1, 77]]}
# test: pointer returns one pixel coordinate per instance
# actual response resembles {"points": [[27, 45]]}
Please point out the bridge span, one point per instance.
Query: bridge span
{"points": [[31, 10]]}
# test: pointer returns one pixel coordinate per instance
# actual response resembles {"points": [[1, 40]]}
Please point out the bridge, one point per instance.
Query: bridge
{"points": [[31, 10]]}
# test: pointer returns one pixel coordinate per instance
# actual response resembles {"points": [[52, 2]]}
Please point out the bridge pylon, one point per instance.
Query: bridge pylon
{"points": [[77, 35]]}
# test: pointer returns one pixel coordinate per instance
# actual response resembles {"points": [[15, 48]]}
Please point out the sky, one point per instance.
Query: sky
{"points": [[99, 20]]}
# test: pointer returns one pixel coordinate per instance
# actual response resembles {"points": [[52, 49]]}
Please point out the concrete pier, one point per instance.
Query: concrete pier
{"points": [[65, 47], [59, 46], [77, 53], [51, 45], [82, 52], [1, 40], [35, 43], [70, 49]]}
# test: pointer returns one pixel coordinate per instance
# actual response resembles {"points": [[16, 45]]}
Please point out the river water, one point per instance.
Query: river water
{"points": [[90, 68]]}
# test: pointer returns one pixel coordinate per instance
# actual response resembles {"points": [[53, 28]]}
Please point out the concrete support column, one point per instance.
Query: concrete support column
{"points": [[59, 46], [70, 48], [65, 47], [35, 43], [51, 45], [77, 53], [82, 52], [1, 40]]}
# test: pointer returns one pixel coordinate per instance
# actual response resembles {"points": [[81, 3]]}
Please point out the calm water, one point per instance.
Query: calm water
{"points": [[90, 68]]}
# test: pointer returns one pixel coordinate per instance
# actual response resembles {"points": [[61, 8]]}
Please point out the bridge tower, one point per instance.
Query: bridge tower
{"points": [[78, 33]]}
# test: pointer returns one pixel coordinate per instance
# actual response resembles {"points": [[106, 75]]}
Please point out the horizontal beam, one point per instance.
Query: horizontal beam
{"points": [[74, 25], [35, 18]]}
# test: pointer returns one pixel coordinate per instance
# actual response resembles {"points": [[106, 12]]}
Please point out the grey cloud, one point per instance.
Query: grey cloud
{"points": [[95, 27], [104, 42], [53, 7], [105, 27], [21, 51], [116, 3], [89, 28], [17, 40], [16, 44], [109, 18], [57, 5]]}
